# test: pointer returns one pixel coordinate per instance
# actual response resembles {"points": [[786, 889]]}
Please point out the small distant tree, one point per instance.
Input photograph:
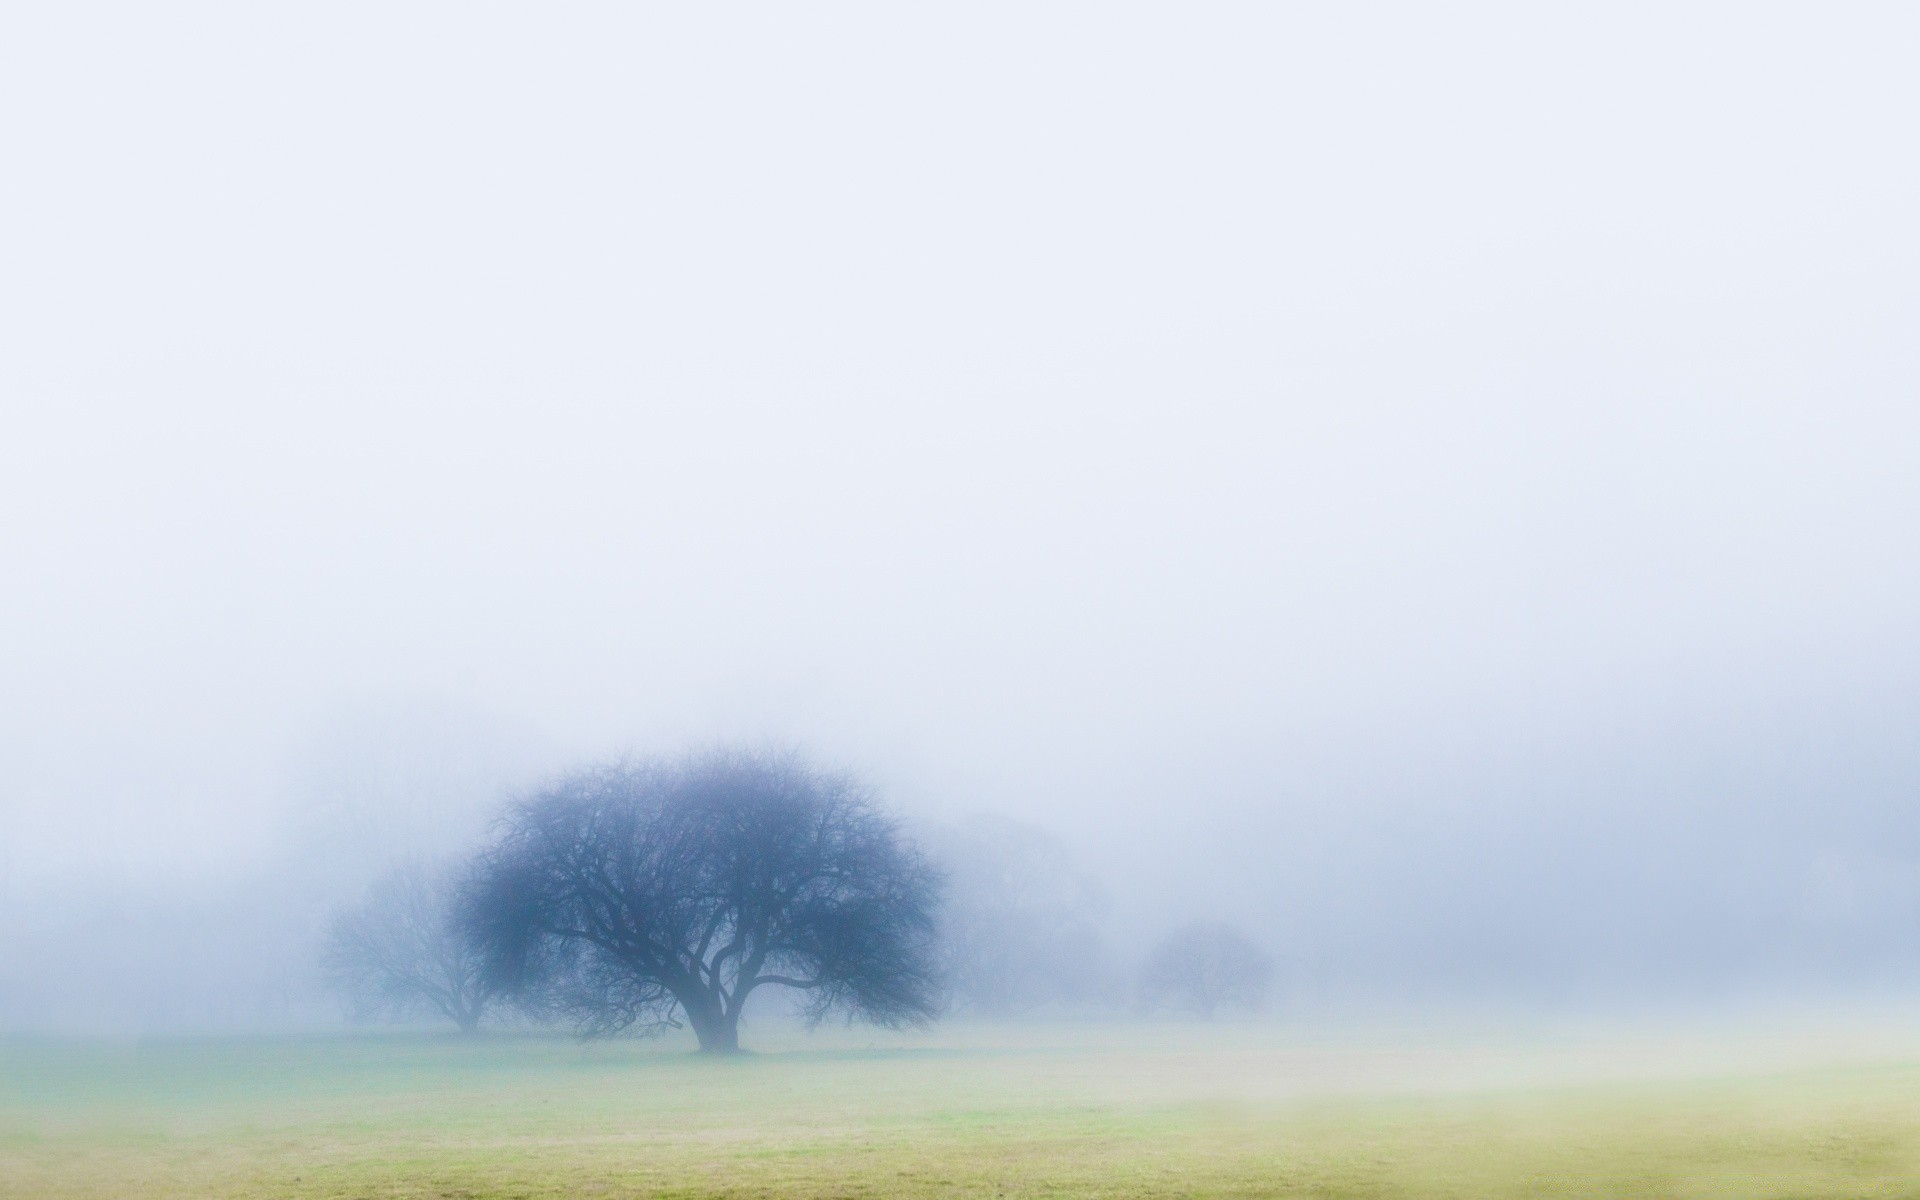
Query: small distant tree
{"points": [[638, 895], [1021, 925], [1203, 968], [401, 953]]}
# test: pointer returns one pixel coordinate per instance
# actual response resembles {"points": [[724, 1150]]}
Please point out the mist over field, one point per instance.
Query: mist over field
{"points": [[1433, 489]]}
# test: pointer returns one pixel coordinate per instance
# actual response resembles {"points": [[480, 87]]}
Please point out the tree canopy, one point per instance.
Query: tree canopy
{"points": [[1204, 967], [1021, 926], [402, 951], [639, 895]]}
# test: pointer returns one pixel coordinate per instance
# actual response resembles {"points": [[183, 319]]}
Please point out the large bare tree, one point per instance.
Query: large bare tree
{"points": [[400, 951], [645, 894]]}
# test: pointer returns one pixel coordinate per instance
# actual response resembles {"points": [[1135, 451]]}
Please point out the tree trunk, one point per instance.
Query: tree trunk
{"points": [[723, 1038], [718, 1031]]}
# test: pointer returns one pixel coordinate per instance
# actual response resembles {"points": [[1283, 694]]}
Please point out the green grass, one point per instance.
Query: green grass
{"points": [[1097, 1110]]}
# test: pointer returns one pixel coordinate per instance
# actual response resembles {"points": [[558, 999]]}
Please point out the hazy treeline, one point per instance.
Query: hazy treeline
{"points": [[385, 824], [1689, 860], [643, 895]]}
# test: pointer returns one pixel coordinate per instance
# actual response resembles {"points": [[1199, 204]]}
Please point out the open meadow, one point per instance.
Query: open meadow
{"points": [[1053, 1110]]}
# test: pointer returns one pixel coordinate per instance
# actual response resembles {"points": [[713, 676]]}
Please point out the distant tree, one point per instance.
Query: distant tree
{"points": [[401, 952], [641, 894], [1021, 925], [1203, 968]]}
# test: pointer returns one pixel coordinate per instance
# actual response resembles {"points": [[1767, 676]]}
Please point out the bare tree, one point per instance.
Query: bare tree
{"points": [[1021, 925], [400, 952], [1202, 968], [641, 894]]}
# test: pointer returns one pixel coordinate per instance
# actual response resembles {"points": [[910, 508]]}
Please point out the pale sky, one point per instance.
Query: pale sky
{"points": [[1165, 422]]}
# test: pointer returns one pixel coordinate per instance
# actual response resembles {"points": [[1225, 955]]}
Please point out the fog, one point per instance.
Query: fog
{"points": [[1435, 489]]}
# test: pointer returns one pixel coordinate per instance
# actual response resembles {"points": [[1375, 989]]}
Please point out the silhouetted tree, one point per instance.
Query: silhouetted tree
{"points": [[642, 893], [1203, 968], [1021, 926], [401, 951]]}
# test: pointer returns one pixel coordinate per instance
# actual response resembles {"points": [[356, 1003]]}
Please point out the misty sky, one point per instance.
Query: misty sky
{"points": [[1229, 433]]}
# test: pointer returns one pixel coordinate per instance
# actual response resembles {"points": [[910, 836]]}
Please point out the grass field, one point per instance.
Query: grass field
{"points": [[1093, 1110]]}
